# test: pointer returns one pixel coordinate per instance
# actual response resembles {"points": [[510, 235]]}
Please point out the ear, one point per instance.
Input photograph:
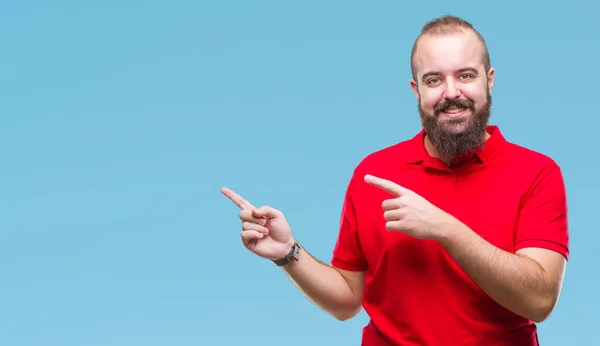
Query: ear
{"points": [[415, 88], [490, 78]]}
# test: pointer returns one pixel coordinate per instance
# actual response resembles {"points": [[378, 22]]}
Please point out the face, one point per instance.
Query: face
{"points": [[453, 91]]}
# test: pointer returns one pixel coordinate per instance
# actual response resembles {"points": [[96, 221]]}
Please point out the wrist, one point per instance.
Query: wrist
{"points": [[291, 254], [448, 229], [290, 244]]}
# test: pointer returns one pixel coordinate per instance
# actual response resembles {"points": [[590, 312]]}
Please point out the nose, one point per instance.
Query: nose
{"points": [[451, 91]]}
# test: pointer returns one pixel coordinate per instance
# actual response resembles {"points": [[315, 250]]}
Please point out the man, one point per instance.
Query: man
{"points": [[454, 237]]}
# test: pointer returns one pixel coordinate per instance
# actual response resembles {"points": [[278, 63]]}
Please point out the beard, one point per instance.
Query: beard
{"points": [[456, 137]]}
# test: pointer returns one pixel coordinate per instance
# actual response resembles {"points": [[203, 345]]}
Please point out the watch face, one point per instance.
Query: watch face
{"points": [[296, 253]]}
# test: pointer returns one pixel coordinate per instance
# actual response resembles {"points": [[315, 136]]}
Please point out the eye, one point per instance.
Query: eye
{"points": [[466, 76], [433, 80]]}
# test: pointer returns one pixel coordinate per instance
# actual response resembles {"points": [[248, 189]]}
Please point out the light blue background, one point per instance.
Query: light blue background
{"points": [[122, 120]]}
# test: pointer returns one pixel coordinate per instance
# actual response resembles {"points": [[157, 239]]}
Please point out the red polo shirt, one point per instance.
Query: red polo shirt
{"points": [[415, 293]]}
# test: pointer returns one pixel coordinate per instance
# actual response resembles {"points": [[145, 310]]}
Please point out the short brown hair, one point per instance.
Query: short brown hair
{"points": [[444, 25]]}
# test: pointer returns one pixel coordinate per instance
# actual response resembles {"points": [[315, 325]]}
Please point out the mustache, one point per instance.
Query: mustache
{"points": [[461, 103]]}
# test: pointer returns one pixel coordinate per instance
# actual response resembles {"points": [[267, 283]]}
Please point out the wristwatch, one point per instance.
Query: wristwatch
{"points": [[293, 254]]}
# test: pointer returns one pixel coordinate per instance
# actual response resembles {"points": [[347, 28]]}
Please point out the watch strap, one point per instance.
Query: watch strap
{"points": [[293, 254]]}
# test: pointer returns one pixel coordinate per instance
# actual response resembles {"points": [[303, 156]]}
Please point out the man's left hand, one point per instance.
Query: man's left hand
{"points": [[410, 213]]}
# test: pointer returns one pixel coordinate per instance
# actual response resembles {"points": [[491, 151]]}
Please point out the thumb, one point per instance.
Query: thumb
{"points": [[268, 212]]}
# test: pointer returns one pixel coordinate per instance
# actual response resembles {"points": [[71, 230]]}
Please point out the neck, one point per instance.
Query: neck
{"points": [[433, 152]]}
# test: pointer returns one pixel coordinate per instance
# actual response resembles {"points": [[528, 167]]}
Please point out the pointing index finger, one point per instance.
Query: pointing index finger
{"points": [[237, 199], [385, 185]]}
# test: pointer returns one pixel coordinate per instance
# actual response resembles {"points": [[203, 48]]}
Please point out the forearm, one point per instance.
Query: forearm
{"points": [[514, 281], [324, 286]]}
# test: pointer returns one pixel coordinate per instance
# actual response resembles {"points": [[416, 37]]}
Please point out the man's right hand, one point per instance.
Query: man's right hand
{"points": [[266, 233], [265, 230]]}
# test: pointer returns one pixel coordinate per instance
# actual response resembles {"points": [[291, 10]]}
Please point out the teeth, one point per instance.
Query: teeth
{"points": [[454, 110]]}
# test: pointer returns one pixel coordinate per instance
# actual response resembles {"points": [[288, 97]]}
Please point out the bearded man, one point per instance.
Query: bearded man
{"points": [[454, 237]]}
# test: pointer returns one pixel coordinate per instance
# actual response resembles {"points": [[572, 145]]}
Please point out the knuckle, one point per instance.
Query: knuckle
{"points": [[245, 215], [387, 216], [247, 235], [391, 204]]}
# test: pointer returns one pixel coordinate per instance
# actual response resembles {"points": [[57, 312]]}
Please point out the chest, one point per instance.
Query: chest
{"points": [[489, 208]]}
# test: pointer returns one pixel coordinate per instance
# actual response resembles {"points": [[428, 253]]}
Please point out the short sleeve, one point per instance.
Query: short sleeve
{"points": [[543, 220], [347, 253]]}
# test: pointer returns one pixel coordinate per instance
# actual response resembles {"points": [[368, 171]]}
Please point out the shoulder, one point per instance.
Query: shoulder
{"points": [[528, 160], [385, 158], [535, 173], [385, 162]]}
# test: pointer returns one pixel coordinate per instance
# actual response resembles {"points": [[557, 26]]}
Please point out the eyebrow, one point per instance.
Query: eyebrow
{"points": [[462, 70]]}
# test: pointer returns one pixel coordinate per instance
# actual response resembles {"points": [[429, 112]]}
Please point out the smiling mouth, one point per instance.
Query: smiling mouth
{"points": [[454, 111]]}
